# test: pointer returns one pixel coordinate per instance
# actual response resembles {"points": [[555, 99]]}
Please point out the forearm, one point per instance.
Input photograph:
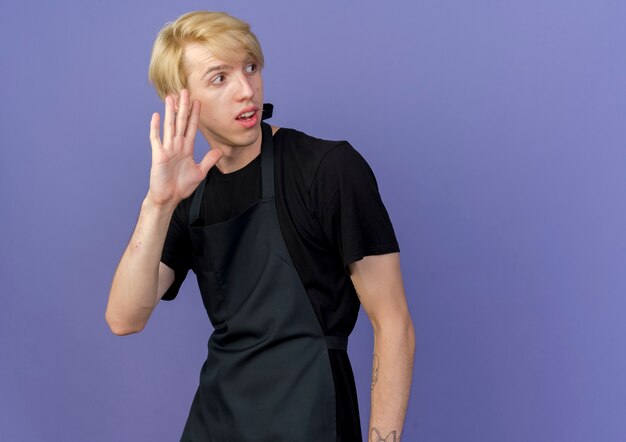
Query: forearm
{"points": [[392, 368], [134, 289]]}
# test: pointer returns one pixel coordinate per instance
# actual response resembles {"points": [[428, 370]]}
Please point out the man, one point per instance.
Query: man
{"points": [[282, 230]]}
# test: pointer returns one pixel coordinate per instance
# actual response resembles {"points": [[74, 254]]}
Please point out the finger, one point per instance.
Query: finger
{"points": [[155, 129], [192, 124], [209, 160], [183, 113], [168, 124]]}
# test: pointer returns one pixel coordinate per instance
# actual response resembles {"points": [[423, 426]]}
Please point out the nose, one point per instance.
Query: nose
{"points": [[245, 89]]}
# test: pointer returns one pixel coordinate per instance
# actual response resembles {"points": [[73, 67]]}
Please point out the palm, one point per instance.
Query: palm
{"points": [[175, 174]]}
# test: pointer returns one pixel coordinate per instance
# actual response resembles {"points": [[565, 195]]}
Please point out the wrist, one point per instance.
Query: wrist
{"points": [[149, 204]]}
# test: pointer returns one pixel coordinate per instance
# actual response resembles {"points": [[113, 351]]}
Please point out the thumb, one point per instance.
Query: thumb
{"points": [[209, 160]]}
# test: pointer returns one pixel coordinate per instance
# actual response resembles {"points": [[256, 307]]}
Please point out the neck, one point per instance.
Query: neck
{"points": [[236, 158]]}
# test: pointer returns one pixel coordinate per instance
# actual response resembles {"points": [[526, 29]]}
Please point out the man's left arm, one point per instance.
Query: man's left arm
{"points": [[378, 282]]}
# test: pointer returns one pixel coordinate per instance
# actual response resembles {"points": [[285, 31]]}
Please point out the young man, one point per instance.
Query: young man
{"points": [[282, 230]]}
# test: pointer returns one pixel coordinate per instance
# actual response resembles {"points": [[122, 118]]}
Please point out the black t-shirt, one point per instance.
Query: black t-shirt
{"points": [[330, 214], [329, 210]]}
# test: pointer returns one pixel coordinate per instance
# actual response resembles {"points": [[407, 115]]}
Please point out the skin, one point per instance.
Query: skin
{"points": [[378, 282], [211, 105], [219, 91], [224, 94]]}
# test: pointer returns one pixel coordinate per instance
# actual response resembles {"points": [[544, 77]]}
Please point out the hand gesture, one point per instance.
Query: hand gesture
{"points": [[175, 174]]}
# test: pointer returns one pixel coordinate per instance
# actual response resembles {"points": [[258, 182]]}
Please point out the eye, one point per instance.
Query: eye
{"points": [[251, 68], [218, 79]]}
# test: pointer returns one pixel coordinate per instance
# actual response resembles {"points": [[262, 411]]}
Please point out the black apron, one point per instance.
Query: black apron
{"points": [[267, 376]]}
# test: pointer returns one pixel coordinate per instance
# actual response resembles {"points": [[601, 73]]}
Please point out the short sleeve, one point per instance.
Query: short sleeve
{"points": [[177, 251], [347, 204]]}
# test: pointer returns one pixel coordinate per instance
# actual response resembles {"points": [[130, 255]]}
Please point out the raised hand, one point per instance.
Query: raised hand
{"points": [[175, 174]]}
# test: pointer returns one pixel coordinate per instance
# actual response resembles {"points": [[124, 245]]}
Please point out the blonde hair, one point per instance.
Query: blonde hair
{"points": [[224, 35]]}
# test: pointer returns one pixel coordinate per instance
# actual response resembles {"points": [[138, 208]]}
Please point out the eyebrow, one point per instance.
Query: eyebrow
{"points": [[221, 67]]}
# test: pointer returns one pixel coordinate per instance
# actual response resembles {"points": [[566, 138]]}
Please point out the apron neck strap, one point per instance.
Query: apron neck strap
{"points": [[267, 161]]}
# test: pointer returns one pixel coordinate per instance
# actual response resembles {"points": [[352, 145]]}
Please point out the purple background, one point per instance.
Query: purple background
{"points": [[497, 133]]}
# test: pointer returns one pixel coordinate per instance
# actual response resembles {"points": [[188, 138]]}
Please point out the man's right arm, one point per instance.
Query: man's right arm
{"points": [[141, 279]]}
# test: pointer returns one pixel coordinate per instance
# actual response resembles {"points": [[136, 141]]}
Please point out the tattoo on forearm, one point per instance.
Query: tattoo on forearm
{"points": [[375, 365], [375, 436]]}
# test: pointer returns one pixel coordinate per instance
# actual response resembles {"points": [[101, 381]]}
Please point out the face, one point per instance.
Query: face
{"points": [[230, 94]]}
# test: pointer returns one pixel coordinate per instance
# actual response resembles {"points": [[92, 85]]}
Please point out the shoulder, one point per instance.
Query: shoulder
{"points": [[304, 154], [303, 143]]}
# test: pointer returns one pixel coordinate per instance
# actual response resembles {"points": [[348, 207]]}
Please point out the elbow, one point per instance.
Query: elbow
{"points": [[399, 330], [410, 334], [123, 331], [407, 333], [122, 328]]}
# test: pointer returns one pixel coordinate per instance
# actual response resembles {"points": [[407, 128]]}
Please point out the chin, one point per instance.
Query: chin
{"points": [[248, 138]]}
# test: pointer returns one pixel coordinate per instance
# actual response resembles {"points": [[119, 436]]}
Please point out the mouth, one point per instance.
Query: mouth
{"points": [[246, 115], [249, 117]]}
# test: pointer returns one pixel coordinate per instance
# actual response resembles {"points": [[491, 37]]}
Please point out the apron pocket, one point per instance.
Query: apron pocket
{"points": [[213, 296]]}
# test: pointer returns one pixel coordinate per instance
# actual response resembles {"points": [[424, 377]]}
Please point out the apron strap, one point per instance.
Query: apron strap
{"points": [[337, 342], [267, 174], [268, 110], [196, 202], [267, 161]]}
